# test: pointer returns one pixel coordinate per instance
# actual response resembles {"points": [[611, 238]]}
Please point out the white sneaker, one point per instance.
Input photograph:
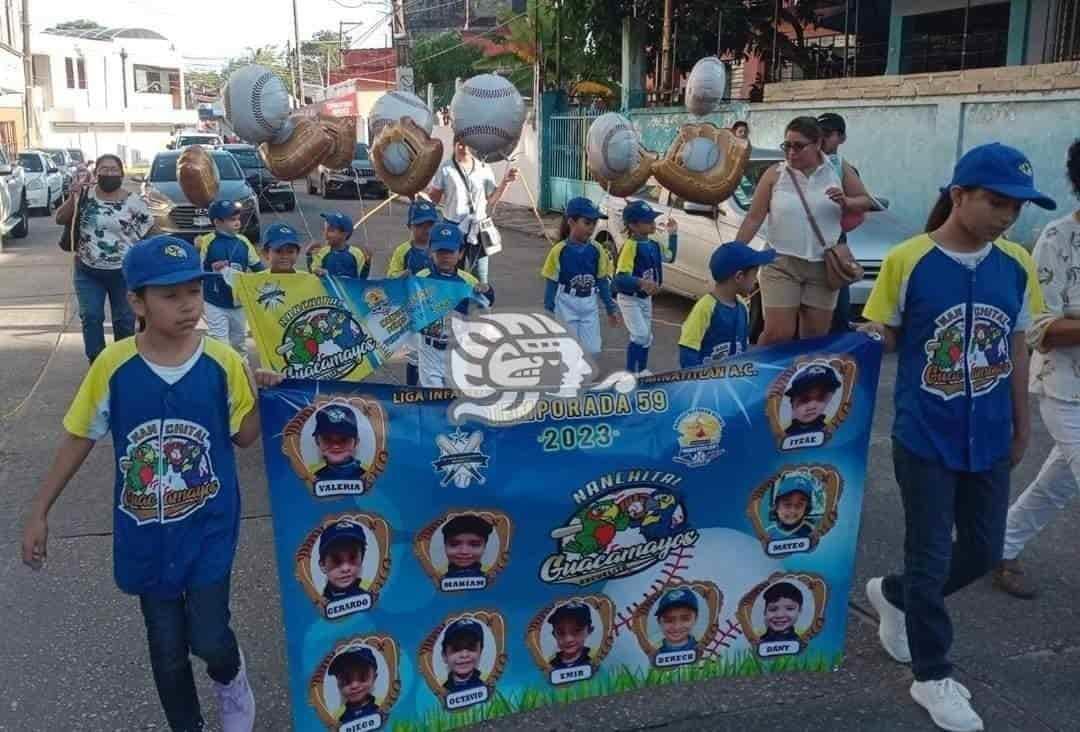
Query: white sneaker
{"points": [[892, 627], [948, 704], [237, 702]]}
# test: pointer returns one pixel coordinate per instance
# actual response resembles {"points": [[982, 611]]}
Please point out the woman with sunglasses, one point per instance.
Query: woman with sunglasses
{"points": [[795, 294]]}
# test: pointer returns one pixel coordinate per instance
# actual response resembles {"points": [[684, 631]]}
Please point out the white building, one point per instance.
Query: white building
{"points": [[12, 81], [117, 91]]}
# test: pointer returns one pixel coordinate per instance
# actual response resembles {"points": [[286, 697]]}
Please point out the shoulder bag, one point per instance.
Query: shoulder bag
{"points": [[69, 239], [841, 267], [489, 241]]}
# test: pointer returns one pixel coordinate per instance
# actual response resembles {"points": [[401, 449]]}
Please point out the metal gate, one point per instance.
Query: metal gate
{"points": [[564, 166]]}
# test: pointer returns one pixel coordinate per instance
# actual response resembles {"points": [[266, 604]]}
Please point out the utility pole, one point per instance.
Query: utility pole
{"points": [[299, 57], [665, 49], [28, 73], [402, 48]]}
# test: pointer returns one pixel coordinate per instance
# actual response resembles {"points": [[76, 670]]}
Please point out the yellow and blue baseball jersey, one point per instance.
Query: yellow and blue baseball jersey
{"points": [[642, 259], [955, 315], [176, 513], [436, 332], [577, 267], [237, 253], [713, 331], [406, 257], [345, 262]]}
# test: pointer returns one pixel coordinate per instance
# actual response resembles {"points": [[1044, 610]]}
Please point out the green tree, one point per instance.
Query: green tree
{"points": [[439, 60], [321, 54]]}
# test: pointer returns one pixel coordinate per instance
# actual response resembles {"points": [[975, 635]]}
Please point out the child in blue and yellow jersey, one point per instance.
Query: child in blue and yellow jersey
{"points": [[639, 275], [411, 257], [577, 269], [175, 404], [337, 258], [718, 324], [223, 252]]}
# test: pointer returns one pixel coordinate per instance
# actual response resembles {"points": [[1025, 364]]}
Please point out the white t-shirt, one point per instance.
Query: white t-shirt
{"points": [[455, 201], [789, 227], [1056, 373]]}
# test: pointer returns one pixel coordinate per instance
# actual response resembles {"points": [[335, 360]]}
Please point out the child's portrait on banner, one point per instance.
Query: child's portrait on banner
{"points": [[569, 638], [338, 446], [676, 622], [463, 657], [809, 401], [464, 549], [782, 614], [344, 562], [356, 684], [793, 509]]}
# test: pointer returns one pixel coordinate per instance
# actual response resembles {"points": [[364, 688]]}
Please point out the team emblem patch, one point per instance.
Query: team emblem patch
{"points": [[700, 431], [951, 361], [322, 340], [174, 250], [460, 459]]}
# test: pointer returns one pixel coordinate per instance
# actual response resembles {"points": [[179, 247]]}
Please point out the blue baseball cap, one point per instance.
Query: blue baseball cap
{"points": [[222, 209], [352, 658], [421, 212], [161, 260], [445, 237], [733, 256], [463, 629], [637, 212], [679, 597], [336, 420], [794, 483], [340, 532], [811, 377], [339, 221], [280, 235], [1001, 169], [573, 610], [582, 208]]}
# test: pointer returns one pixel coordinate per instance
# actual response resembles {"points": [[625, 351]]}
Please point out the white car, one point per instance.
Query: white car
{"points": [[43, 180]]}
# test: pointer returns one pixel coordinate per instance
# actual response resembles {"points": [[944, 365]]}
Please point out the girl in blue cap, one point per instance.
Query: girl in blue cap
{"points": [[577, 269], [639, 275], [955, 303], [174, 531]]}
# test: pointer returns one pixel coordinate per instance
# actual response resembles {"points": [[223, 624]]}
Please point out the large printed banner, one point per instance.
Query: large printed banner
{"points": [[434, 575], [338, 328]]}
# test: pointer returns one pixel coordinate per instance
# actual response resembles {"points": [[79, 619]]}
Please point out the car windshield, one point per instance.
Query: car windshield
{"points": [[361, 152], [198, 140], [744, 194], [30, 163], [77, 156], [164, 168], [248, 159], [57, 156]]}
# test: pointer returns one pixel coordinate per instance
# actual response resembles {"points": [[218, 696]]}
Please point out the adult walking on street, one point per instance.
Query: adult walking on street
{"points": [[833, 135], [466, 190], [803, 199], [956, 304], [111, 220], [1055, 377]]}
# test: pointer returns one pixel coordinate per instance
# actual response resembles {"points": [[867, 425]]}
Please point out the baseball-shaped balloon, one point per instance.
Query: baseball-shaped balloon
{"points": [[488, 114], [699, 155], [397, 158], [706, 86], [394, 105], [257, 105], [612, 146]]}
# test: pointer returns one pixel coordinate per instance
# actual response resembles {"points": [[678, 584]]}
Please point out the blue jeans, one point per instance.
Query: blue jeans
{"points": [[195, 623], [92, 286], [935, 498]]}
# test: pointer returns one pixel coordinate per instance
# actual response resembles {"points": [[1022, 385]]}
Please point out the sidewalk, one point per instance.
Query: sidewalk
{"points": [[73, 650]]}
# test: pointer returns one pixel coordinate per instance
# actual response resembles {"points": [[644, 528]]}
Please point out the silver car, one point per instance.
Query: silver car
{"points": [[702, 228]]}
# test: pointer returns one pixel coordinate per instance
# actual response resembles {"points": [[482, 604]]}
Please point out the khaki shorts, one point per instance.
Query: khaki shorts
{"points": [[790, 282]]}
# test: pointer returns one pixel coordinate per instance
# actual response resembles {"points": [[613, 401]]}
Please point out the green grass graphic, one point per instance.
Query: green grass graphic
{"points": [[615, 681]]}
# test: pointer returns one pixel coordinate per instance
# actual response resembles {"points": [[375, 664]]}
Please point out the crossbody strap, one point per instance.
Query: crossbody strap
{"points": [[465, 180], [806, 207]]}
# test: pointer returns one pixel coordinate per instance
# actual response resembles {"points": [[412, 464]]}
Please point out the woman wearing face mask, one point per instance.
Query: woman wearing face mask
{"points": [[111, 219]]}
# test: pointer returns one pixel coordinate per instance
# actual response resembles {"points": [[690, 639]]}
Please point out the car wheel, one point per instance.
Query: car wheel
{"points": [[290, 204], [23, 228], [322, 188]]}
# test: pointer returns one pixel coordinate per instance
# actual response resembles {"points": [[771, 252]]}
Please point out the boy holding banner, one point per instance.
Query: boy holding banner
{"points": [[176, 521], [961, 407], [337, 258], [411, 257]]}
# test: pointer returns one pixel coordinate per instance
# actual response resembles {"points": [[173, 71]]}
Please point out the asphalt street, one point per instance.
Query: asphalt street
{"points": [[73, 654]]}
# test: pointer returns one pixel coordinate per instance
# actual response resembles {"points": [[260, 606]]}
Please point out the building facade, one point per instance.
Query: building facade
{"points": [[116, 91]]}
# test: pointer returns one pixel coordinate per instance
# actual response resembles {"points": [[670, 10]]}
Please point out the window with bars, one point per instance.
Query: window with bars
{"points": [[75, 68], [1064, 39]]}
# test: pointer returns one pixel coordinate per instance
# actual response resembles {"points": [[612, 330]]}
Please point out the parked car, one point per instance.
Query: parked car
{"points": [[274, 194], [702, 228], [183, 139], [64, 162], [174, 214], [14, 205], [43, 180], [357, 180], [77, 155]]}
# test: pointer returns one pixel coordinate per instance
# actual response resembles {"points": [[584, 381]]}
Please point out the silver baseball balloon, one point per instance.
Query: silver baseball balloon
{"points": [[488, 114], [612, 146], [706, 86], [257, 105]]}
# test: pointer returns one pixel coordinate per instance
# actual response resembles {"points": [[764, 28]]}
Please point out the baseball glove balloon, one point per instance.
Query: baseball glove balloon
{"points": [[632, 180], [197, 174], [342, 131], [426, 155], [308, 145], [714, 183]]}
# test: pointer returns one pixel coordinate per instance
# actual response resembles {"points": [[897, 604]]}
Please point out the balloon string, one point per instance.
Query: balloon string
{"points": [[535, 209]]}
